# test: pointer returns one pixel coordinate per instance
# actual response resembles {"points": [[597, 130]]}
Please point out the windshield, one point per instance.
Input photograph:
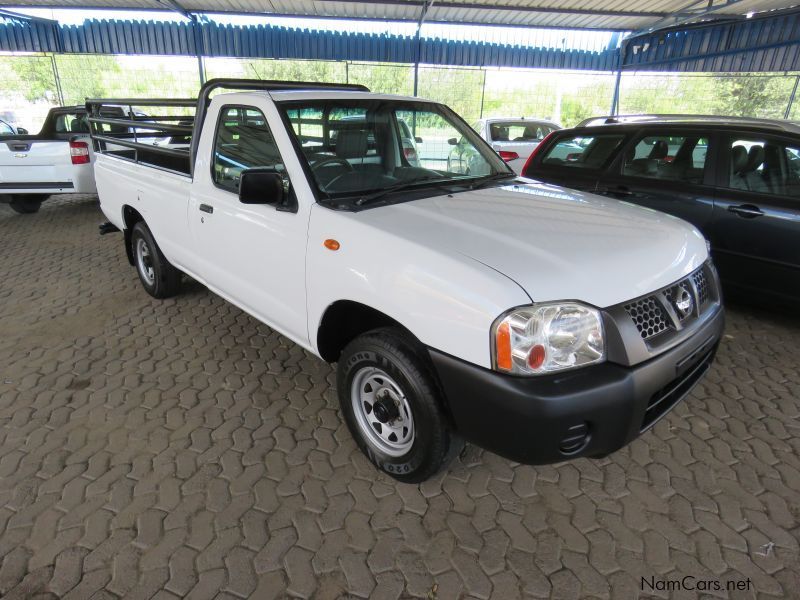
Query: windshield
{"points": [[362, 146]]}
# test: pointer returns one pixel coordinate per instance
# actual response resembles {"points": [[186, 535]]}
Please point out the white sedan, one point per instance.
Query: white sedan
{"points": [[512, 138]]}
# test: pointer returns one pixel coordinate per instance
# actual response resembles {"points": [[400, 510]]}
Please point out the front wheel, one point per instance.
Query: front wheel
{"points": [[392, 406], [26, 205], [159, 278]]}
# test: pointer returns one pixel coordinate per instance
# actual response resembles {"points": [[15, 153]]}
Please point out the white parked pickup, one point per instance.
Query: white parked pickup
{"points": [[540, 323], [57, 160]]}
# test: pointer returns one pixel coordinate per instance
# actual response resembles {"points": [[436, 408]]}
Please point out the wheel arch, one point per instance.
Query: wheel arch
{"points": [[345, 320], [130, 216]]}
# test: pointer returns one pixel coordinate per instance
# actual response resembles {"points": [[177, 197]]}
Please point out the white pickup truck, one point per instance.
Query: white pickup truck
{"points": [[57, 160], [540, 323]]}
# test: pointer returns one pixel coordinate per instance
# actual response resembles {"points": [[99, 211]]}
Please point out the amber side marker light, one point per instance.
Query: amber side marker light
{"points": [[503, 347], [331, 244]]}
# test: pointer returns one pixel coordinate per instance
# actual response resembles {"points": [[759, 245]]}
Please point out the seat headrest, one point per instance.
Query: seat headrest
{"points": [[499, 133], [755, 157], [660, 150], [738, 159], [352, 143], [79, 126]]}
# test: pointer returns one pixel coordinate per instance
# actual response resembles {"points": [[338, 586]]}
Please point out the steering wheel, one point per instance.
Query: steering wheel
{"points": [[332, 160]]}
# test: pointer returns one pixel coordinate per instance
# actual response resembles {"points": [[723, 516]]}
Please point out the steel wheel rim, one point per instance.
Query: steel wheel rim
{"points": [[144, 261], [371, 392]]}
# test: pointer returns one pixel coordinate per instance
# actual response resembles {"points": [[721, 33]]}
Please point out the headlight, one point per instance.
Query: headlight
{"points": [[547, 337]]}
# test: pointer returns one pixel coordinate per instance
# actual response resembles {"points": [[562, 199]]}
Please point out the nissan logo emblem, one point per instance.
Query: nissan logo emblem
{"points": [[683, 301]]}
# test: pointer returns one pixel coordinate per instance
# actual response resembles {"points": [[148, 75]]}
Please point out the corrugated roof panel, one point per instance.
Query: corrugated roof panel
{"points": [[592, 14]]}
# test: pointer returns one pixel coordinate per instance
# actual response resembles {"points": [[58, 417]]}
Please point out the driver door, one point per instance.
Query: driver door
{"points": [[252, 254]]}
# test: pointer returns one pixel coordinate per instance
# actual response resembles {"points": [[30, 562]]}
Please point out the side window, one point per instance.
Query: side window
{"points": [[668, 157], [765, 167], [243, 141], [5, 128], [587, 152]]}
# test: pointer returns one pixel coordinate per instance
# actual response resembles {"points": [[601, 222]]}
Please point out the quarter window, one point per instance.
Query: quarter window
{"points": [[668, 157], [765, 167], [243, 141], [587, 152]]}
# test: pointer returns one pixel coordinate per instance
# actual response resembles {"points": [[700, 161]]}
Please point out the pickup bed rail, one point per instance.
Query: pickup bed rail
{"points": [[169, 141]]}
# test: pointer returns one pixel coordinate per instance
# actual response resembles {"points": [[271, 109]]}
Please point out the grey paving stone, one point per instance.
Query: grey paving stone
{"points": [[182, 449]]}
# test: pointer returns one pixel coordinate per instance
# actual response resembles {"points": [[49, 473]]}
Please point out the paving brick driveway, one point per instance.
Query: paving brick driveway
{"points": [[180, 448]]}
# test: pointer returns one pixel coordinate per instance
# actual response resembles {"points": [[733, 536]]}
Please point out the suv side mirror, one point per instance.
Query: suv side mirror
{"points": [[453, 142], [261, 186], [22, 131]]}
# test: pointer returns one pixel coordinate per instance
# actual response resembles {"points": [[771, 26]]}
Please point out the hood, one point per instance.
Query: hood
{"points": [[556, 244]]}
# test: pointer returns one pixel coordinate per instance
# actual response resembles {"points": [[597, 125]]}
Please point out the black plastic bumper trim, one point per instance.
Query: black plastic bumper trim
{"points": [[527, 419]]}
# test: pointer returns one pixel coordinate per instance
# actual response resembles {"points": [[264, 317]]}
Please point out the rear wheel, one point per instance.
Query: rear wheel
{"points": [[27, 204], [392, 407], [159, 278]]}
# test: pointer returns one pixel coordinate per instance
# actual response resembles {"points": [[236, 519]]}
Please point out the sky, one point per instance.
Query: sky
{"points": [[546, 38]]}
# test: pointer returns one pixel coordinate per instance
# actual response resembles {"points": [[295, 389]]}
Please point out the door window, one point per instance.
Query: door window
{"points": [[765, 167], [668, 157], [243, 141], [5, 128], [588, 152]]}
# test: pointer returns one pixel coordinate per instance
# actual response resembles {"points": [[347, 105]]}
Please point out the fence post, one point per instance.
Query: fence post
{"points": [[483, 91], [615, 100], [788, 112], [57, 79]]}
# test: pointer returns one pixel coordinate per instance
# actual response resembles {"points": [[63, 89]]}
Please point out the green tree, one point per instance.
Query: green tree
{"points": [[33, 77]]}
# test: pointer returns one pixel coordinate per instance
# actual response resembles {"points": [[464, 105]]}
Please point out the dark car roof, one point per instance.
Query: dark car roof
{"points": [[628, 122]]}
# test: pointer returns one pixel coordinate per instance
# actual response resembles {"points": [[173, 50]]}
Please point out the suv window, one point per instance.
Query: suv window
{"points": [[588, 152], [243, 141], [765, 167], [668, 157]]}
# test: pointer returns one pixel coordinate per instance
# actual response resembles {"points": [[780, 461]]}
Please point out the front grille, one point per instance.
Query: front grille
{"points": [[648, 316], [667, 397], [673, 307], [699, 278]]}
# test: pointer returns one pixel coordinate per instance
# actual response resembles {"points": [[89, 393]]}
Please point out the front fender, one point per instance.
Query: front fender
{"points": [[447, 301]]}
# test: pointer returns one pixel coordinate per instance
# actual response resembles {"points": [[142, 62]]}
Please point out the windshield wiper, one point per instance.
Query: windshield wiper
{"points": [[401, 186], [482, 181]]}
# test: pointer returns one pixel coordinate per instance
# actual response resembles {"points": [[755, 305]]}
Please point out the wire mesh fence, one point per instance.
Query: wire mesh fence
{"points": [[762, 95], [32, 83]]}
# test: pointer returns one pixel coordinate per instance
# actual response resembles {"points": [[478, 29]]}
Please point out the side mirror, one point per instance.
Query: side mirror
{"points": [[22, 131], [418, 139], [261, 186], [453, 142]]}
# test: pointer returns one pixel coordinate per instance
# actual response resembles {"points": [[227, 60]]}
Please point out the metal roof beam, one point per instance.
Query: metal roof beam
{"points": [[685, 15], [516, 8], [175, 6], [10, 14]]}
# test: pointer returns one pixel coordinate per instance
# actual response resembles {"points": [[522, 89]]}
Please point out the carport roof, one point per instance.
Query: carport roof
{"points": [[608, 15]]}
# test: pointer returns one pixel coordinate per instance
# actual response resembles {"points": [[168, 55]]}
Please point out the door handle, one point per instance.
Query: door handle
{"points": [[747, 211], [207, 208]]}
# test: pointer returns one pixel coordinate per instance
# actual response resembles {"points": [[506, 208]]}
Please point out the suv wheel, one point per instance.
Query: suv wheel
{"points": [[391, 404]]}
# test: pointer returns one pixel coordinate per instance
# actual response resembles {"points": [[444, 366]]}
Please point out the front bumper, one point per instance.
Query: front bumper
{"points": [[586, 412]]}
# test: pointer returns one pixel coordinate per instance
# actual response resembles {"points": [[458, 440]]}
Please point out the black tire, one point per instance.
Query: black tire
{"points": [[159, 278], [388, 352], [27, 204]]}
